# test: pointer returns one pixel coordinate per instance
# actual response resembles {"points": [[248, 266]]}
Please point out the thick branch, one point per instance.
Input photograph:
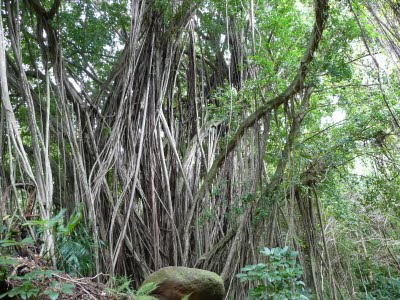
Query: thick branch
{"points": [[297, 84], [39, 9], [321, 14]]}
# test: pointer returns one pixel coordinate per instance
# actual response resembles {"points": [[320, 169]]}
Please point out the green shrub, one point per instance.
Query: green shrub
{"points": [[277, 278], [383, 288]]}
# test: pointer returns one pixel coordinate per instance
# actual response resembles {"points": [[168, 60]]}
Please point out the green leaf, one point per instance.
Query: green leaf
{"points": [[248, 268], [27, 240], [52, 294], [7, 261], [261, 265], [4, 295], [75, 219], [67, 288], [35, 223], [146, 288], [145, 297], [9, 243], [266, 251]]}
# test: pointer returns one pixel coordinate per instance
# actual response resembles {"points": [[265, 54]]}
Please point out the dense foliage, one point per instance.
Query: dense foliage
{"points": [[277, 278], [141, 134]]}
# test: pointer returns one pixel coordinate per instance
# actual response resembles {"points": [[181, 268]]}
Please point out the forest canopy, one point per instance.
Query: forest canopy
{"points": [[141, 134]]}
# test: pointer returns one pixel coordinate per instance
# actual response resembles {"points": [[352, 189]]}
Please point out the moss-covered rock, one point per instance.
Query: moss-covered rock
{"points": [[176, 282]]}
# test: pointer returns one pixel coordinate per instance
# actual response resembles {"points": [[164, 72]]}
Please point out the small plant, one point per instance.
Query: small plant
{"points": [[74, 246], [278, 278], [30, 280], [143, 293], [29, 286], [122, 289]]}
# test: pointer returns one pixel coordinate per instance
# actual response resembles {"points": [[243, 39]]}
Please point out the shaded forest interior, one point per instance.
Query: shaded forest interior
{"points": [[141, 134]]}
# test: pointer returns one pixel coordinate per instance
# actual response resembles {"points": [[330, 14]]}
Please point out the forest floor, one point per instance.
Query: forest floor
{"points": [[32, 277]]}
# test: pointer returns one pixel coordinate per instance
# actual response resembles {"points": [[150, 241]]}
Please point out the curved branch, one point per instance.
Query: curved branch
{"points": [[321, 14], [39, 9], [321, 9], [54, 9]]}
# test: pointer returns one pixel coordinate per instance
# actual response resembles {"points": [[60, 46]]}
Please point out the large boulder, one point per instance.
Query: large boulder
{"points": [[173, 283]]}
